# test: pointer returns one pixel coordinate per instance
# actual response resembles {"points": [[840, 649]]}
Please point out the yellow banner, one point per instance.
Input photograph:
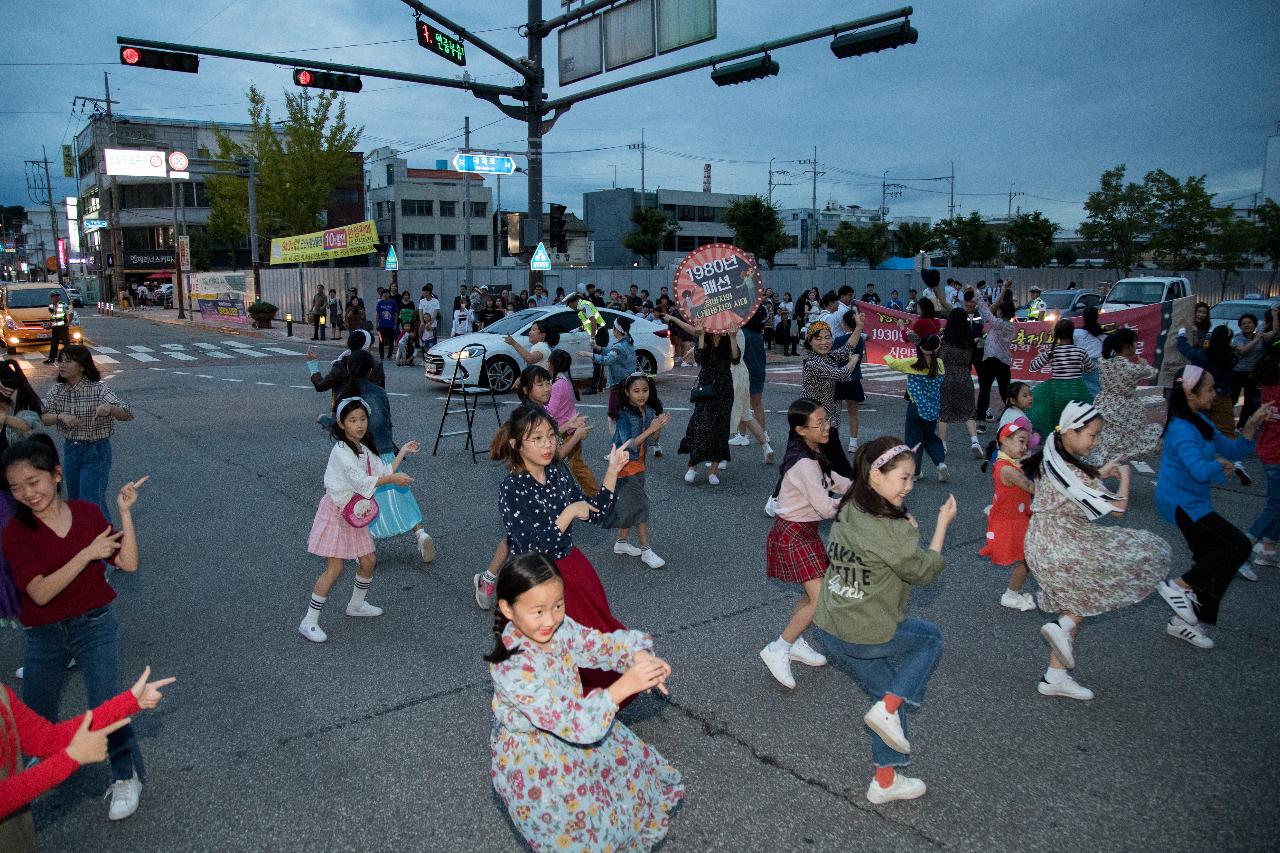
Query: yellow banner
{"points": [[358, 239]]}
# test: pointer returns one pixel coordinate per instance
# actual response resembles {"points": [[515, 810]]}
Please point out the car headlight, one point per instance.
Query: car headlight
{"points": [[75, 319], [9, 322], [1052, 316], [467, 352], [75, 336]]}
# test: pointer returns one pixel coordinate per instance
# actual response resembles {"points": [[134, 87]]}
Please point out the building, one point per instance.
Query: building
{"points": [[699, 215], [795, 221], [421, 211]]}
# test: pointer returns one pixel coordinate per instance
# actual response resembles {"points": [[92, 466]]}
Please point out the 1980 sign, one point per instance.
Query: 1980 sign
{"points": [[719, 286]]}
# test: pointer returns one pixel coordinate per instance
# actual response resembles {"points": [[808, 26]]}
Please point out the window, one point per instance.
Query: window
{"points": [[448, 208], [448, 242], [479, 209], [145, 195], [670, 208], [707, 214], [479, 242], [419, 242], [705, 241], [686, 213], [686, 244], [669, 243], [565, 322], [415, 207]]}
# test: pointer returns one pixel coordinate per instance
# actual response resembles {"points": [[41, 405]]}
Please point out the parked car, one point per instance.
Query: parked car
{"points": [[1145, 290], [163, 296], [24, 310], [1228, 313], [485, 359], [1063, 303]]}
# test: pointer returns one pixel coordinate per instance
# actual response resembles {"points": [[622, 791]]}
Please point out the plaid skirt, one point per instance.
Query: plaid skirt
{"points": [[793, 551], [332, 536]]}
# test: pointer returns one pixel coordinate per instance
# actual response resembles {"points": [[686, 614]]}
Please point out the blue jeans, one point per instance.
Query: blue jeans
{"points": [[86, 467], [901, 666], [1268, 524], [93, 639], [924, 433], [1091, 382]]}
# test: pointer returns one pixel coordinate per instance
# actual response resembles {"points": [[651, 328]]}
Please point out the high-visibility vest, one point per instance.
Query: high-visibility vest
{"points": [[1035, 309], [589, 317], [58, 314]]}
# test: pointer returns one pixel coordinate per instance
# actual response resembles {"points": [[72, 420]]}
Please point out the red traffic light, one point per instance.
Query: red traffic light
{"points": [[327, 80], [161, 60], [304, 78], [130, 56]]}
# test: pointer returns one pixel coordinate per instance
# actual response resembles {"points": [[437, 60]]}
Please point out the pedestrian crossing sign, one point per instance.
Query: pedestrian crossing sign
{"points": [[393, 263], [541, 260]]}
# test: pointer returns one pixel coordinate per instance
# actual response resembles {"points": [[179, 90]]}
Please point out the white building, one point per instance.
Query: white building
{"points": [[795, 221], [422, 211]]}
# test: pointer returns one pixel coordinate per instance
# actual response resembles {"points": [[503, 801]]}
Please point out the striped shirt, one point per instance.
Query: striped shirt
{"points": [[818, 378], [1067, 361], [82, 400]]}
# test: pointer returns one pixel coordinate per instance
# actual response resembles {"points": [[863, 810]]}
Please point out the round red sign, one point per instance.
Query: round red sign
{"points": [[178, 161], [719, 286]]}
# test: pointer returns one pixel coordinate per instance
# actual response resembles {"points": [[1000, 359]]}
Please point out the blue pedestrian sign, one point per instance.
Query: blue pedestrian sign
{"points": [[393, 263], [484, 164], [541, 260]]}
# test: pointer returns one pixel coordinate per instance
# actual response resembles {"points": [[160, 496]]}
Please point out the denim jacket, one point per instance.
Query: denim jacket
{"points": [[619, 360]]}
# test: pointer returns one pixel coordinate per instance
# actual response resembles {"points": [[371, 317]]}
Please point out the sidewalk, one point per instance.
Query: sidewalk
{"points": [[278, 330]]}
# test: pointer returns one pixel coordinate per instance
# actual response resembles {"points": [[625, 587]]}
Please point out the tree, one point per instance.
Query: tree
{"points": [[1031, 235], [841, 242], [1185, 217], [757, 227], [199, 249], [870, 243], [1119, 219], [1065, 255], [300, 163], [975, 243], [1228, 247], [652, 228], [1267, 237], [913, 237]]}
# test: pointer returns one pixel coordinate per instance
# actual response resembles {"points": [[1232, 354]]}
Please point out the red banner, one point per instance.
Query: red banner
{"points": [[886, 335]]}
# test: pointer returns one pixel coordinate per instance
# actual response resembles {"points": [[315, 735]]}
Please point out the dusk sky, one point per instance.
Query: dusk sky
{"points": [[1040, 97]]}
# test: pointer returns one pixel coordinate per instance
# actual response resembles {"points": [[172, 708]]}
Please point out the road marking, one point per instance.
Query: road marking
{"points": [[252, 352], [180, 356], [206, 346], [1142, 467], [33, 356], [204, 376], [213, 353], [264, 383], [283, 351], [141, 349], [236, 344], [107, 350], [173, 346], [392, 394], [225, 379], [303, 387], [181, 373], [104, 359], [141, 356]]}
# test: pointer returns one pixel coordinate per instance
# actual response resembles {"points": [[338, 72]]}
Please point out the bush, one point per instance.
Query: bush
{"points": [[262, 307]]}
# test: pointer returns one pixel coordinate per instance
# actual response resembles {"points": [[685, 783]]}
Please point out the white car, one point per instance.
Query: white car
{"points": [[485, 359]]}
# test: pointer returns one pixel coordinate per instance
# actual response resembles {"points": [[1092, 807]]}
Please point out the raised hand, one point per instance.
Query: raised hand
{"points": [[618, 456], [410, 446], [947, 512], [575, 423], [312, 354], [104, 545], [148, 692], [89, 747], [129, 494], [661, 421]]}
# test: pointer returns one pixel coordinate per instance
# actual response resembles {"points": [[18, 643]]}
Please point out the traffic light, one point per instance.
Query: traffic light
{"points": [[559, 242], [326, 80], [511, 223], [165, 60], [741, 72], [874, 40]]}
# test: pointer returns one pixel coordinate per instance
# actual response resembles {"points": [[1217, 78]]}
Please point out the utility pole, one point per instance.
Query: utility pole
{"points": [[951, 205], [96, 145], [813, 209], [535, 111], [1009, 214], [177, 261], [466, 202], [53, 214], [117, 236], [639, 146]]}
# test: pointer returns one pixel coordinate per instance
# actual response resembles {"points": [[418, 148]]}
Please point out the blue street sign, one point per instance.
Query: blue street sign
{"points": [[393, 263], [484, 164], [91, 225], [541, 261]]}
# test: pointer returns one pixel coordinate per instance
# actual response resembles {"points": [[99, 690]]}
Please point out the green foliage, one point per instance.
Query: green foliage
{"points": [[1267, 236], [261, 307], [1119, 219], [1229, 246], [652, 227], [300, 163], [870, 243], [757, 228], [1065, 255], [1031, 236], [199, 249], [914, 237], [1184, 219], [975, 243]]}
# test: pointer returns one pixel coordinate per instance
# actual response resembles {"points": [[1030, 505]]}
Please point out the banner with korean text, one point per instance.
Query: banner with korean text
{"points": [[360, 238]]}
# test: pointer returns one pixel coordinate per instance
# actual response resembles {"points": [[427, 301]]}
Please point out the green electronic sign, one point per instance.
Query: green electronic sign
{"points": [[433, 40]]}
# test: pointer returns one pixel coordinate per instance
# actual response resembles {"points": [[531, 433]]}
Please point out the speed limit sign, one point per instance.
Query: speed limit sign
{"points": [[178, 161]]}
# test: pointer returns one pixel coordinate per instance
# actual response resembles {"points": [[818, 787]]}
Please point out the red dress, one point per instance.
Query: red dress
{"points": [[1007, 522]]}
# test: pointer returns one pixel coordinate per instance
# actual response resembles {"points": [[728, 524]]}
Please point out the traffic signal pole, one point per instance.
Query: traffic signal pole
{"points": [[535, 114]]}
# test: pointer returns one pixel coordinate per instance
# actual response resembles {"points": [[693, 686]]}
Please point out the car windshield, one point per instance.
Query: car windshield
{"points": [[1060, 299], [1233, 310], [513, 323], [1137, 292], [27, 298]]}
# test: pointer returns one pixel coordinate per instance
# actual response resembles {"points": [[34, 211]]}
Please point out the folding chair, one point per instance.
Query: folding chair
{"points": [[469, 394]]}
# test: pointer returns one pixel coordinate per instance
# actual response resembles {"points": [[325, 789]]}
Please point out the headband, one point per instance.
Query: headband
{"points": [[1075, 415], [368, 338], [1190, 378], [815, 328], [892, 453], [345, 403], [1094, 500]]}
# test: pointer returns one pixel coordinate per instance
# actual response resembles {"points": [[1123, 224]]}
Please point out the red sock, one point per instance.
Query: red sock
{"points": [[892, 703], [884, 776]]}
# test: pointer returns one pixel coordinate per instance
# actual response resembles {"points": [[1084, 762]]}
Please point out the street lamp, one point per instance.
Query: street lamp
{"points": [[288, 324]]}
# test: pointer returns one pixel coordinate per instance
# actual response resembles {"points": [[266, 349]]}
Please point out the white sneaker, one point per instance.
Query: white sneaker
{"points": [[690, 475], [768, 453], [802, 652], [903, 788], [657, 450], [484, 600], [18, 674], [652, 560], [779, 664], [312, 632], [1263, 557], [943, 474], [1060, 641], [740, 440], [1017, 601], [724, 465], [124, 795], [713, 479], [364, 608], [426, 546], [1068, 687], [771, 507], [975, 449], [1247, 573], [622, 546], [888, 726], [1182, 601], [1193, 634]]}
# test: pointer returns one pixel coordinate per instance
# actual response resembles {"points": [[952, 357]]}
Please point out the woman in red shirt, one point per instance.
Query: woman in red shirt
{"points": [[55, 550]]}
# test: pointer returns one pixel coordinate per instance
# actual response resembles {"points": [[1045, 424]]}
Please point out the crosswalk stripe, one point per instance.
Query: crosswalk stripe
{"points": [[99, 358], [213, 353], [236, 343], [174, 346], [141, 356], [180, 356], [254, 353], [107, 350], [207, 346], [283, 351], [141, 349], [34, 356]]}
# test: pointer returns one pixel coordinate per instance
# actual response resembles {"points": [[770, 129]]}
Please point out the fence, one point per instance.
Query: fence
{"points": [[291, 289]]}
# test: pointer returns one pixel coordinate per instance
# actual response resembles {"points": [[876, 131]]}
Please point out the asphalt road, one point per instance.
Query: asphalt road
{"points": [[378, 740]]}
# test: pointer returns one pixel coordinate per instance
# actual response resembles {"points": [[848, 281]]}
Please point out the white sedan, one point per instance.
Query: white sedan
{"points": [[485, 358]]}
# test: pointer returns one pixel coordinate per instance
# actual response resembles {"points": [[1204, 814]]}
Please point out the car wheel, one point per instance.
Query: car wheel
{"points": [[646, 363], [500, 374]]}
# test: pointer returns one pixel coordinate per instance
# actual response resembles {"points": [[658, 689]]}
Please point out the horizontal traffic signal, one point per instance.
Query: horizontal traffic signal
{"points": [[326, 80], [741, 72], [874, 40], [165, 60]]}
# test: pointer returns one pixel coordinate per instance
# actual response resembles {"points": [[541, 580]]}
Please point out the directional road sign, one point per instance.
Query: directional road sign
{"points": [[91, 225], [541, 261], [484, 164]]}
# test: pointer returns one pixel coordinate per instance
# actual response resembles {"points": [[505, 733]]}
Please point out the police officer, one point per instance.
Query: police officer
{"points": [[593, 324], [59, 321], [1035, 308]]}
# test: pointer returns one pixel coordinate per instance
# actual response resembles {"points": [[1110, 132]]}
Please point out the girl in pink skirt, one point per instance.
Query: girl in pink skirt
{"points": [[354, 471], [793, 550]]}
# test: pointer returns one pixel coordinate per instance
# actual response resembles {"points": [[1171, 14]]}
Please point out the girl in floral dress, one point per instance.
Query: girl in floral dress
{"points": [[571, 776], [1126, 434]]}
